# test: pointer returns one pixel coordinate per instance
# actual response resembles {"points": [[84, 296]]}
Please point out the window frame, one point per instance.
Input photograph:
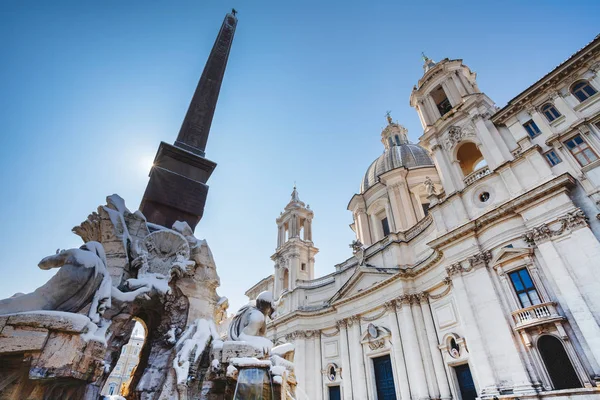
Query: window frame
{"points": [[582, 87], [582, 150], [548, 159], [526, 289], [537, 130], [385, 225], [550, 112]]}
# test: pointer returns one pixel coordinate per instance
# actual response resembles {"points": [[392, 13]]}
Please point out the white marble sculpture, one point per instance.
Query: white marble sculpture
{"points": [[81, 279], [250, 323]]}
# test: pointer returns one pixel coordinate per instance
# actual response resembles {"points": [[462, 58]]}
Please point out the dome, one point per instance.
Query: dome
{"points": [[399, 152], [406, 155]]}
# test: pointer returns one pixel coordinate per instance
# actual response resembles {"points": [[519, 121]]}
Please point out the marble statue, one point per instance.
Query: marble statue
{"points": [[429, 186], [250, 323], [81, 279]]}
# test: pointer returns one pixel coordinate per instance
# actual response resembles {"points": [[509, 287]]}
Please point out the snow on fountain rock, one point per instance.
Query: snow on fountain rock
{"points": [[192, 342], [95, 332], [232, 371]]}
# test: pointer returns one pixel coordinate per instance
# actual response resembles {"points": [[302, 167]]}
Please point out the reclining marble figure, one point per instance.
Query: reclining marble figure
{"points": [[249, 323], [81, 279]]}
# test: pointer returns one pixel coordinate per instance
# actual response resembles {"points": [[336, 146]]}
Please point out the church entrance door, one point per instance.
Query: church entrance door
{"points": [[384, 378], [465, 382]]}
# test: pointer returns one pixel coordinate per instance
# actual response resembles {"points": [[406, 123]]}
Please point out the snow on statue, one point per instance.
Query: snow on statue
{"points": [[250, 323], [82, 278]]}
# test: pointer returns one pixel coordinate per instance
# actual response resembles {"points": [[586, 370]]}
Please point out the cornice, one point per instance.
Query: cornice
{"points": [[565, 70], [568, 222], [503, 210]]}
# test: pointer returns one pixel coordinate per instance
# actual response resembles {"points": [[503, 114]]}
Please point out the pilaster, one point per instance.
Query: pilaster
{"points": [[404, 388]]}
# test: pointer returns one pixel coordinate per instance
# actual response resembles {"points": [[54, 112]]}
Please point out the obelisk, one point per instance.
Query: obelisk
{"points": [[177, 188]]}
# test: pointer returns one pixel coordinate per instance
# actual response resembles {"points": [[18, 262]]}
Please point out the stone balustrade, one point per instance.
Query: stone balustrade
{"points": [[535, 315], [477, 175]]}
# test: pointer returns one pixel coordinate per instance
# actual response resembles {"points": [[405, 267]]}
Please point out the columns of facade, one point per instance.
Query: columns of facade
{"points": [[459, 84], [414, 364], [421, 114], [436, 355], [390, 216], [399, 362], [451, 93], [435, 113], [490, 149], [430, 373], [359, 380], [407, 205], [346, 367], [399, 217], [362, 226], [477, 354], [445, 170], [318, 367], [300, 362], [571, 296]]}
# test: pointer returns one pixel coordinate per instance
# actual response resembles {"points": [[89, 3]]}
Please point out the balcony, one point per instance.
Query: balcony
{"points": [[477, 175], [536, 315]]}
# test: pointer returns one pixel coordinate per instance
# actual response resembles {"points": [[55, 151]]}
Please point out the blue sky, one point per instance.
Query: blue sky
{"points": [[89, 89]]}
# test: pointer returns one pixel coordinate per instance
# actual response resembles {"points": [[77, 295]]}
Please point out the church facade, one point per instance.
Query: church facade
{"points": [[476, 266]]}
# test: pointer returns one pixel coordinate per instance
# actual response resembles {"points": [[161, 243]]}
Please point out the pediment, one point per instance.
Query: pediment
{"points": [[363, 279], [507, 254]]}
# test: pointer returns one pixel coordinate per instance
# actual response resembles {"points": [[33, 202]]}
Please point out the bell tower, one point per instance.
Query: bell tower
{"points": [[455, 115], [295, 254]]}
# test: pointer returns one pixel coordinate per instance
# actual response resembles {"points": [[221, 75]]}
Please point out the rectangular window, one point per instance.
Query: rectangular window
{"points": [[425, 208], [531, 128], [303, 267], [524, 287], [552, 158], [385, 226], [581, 151]]}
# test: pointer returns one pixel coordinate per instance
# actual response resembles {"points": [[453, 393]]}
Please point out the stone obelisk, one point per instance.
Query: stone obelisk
{"points": [[177, 188]]}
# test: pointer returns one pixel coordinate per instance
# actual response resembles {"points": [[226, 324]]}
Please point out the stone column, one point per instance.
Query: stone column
{"points": [[489, 149], [399, 217], [414, 364], [436, 355], [362, 226], [435, 113], [404, 388], [318, 366], [359, 380], [300, 362], [432, 385], [407, 205], [346, 367], [477, 354], [445, 169], [571, 295]]}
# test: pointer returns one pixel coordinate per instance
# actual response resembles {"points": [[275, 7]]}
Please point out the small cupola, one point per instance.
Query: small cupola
{"points": [[393, 134]]}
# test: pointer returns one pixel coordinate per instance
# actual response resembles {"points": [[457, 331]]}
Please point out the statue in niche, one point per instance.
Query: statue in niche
{"points": [[81, 279], [250, 323]]}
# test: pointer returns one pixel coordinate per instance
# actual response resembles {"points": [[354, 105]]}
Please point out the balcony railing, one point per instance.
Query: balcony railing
{"points": [[535, 315], [477, 175]]}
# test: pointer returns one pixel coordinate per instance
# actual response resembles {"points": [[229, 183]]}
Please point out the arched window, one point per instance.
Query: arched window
{"points": [[470, 158], [557, 363], [550, 112], [583, 90]]}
